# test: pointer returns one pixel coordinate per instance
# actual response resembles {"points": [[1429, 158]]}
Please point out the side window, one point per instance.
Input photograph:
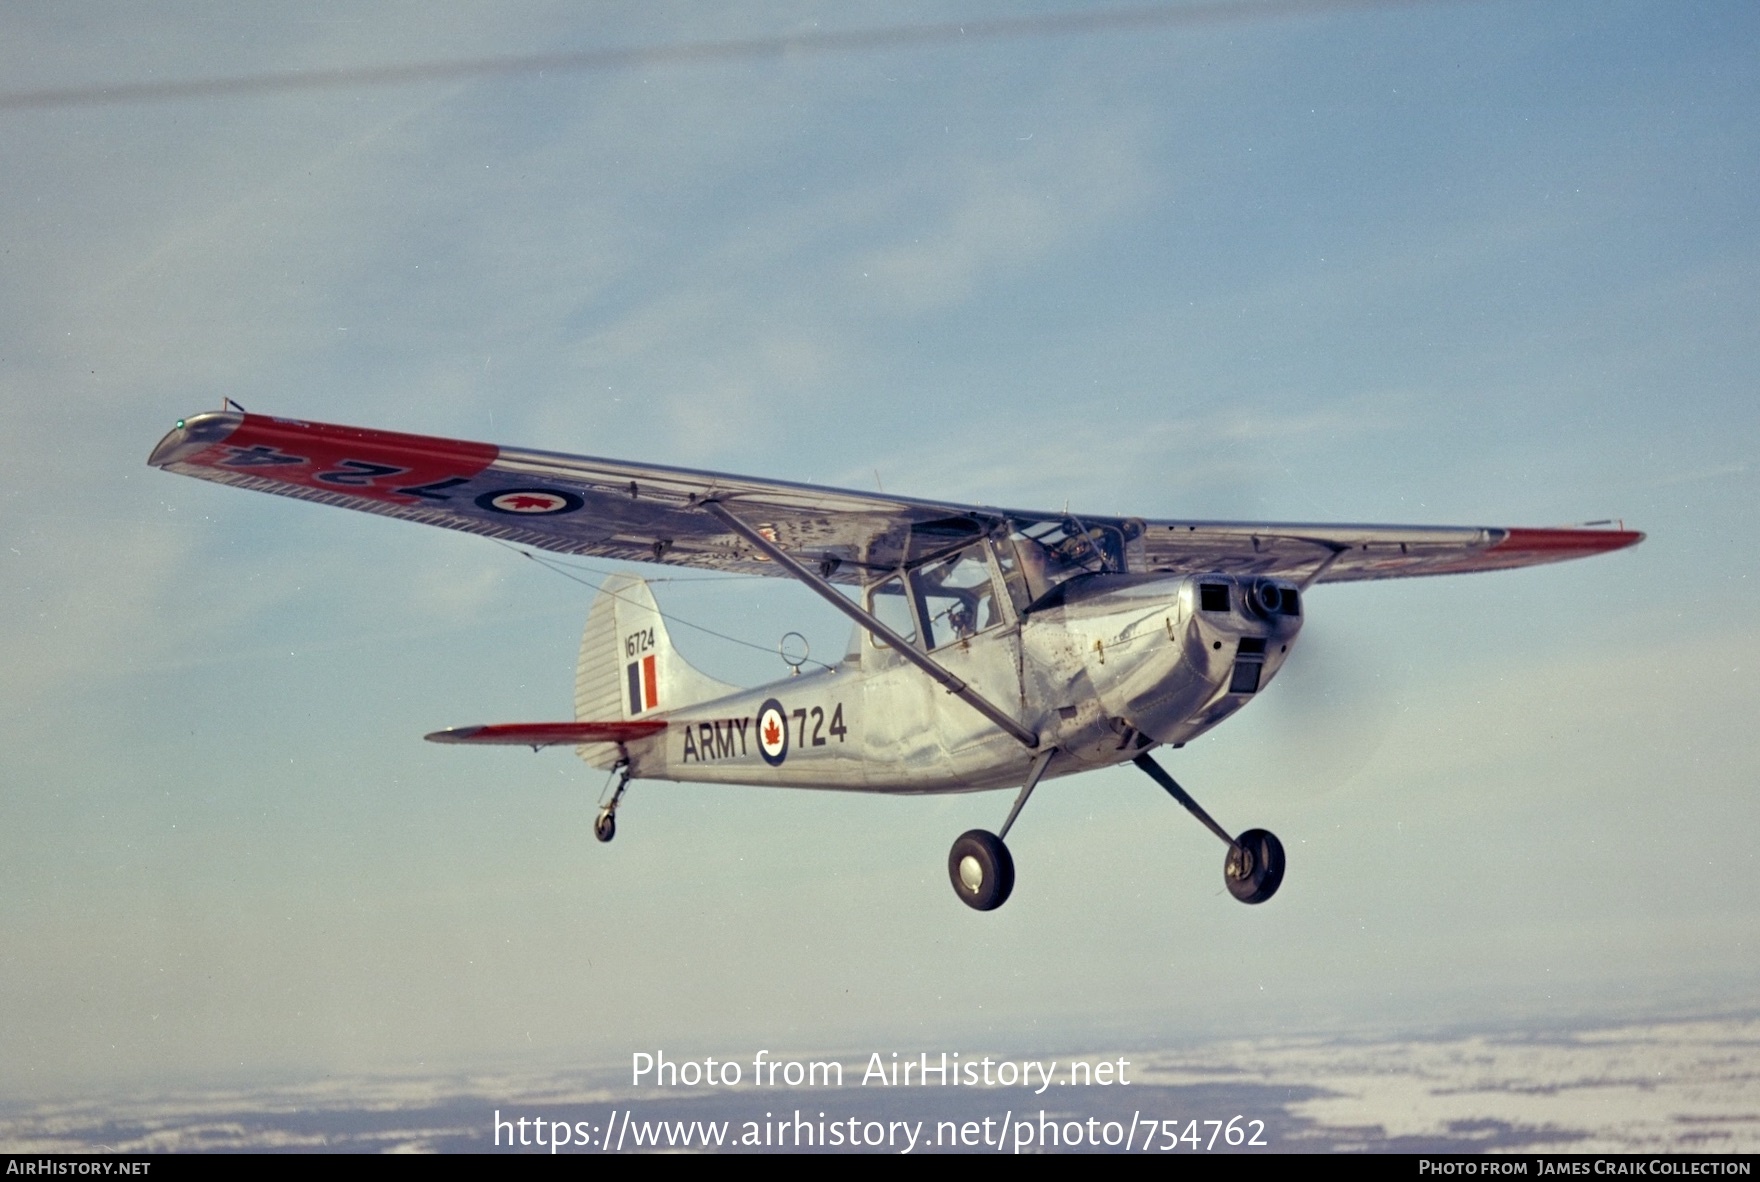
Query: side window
{"points": [[887, 601], [958, 597]]}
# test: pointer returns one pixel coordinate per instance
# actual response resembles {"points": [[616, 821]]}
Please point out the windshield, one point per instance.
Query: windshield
{"points": [[1052, 551]]}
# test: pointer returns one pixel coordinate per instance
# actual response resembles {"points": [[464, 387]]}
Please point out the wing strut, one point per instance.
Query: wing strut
{"points": [[868, 620], [1313, 576]]}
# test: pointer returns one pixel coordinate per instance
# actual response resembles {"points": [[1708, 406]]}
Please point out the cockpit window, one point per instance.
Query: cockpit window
{"points": [[957, 596]]}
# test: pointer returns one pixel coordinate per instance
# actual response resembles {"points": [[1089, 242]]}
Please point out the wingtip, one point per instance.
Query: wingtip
{"points": [[192, 435], [1572, 542], [453, 734]]}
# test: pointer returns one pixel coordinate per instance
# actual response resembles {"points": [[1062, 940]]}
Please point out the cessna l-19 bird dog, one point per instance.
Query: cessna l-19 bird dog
{"points": [[993, 647]]}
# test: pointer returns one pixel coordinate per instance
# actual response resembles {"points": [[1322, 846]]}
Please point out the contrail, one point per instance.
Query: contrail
{"points": [[695, 53]]}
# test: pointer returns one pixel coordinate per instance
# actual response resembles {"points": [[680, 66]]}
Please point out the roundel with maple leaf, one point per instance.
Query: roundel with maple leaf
{"points": [[530, 502], [773, 733]]}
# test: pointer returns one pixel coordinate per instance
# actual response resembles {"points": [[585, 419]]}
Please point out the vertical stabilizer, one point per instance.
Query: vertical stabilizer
{"points": [[628, 667]]}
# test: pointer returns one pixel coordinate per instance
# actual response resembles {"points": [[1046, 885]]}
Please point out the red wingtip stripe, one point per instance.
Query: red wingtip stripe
{"points": [[379, 465], [433, 448], [1567, 543]]}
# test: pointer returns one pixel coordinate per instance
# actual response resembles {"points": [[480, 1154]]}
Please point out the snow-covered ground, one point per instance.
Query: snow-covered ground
{"points": [[1666, 1086]]}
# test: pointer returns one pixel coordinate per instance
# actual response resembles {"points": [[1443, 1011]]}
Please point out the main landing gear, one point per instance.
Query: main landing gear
{"points": [[605, 824], [982, 871], [1253, 869], [979, 864]]}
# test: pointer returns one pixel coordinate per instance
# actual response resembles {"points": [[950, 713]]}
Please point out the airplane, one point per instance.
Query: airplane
{"points": [[993, 648]]}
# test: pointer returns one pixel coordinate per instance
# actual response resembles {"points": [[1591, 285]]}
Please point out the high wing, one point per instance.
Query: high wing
{"points": [[653, 513], [1353, 553]]}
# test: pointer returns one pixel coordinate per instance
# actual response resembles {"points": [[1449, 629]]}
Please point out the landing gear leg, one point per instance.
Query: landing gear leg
{"points": [[605, 824], [1253, 869]]}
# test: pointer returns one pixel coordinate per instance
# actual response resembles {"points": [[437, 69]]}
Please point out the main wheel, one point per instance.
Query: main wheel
{"points": [[981, 870], [605, 826], [1254, 867]]}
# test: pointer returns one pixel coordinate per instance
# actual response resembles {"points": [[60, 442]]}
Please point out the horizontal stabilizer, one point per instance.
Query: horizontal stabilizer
{"points": [[550, 734]]}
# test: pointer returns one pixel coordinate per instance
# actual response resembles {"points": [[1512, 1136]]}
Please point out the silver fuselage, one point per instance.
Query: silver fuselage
{"points": [[1105, 667]]}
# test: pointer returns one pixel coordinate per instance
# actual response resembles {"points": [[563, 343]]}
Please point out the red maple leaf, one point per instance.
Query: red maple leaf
{"points": [[530, 502], [772, 733]]}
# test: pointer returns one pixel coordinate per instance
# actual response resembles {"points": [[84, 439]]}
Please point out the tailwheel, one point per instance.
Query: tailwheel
{"points": [[1253, 869], [981, 870], [605, 824]]}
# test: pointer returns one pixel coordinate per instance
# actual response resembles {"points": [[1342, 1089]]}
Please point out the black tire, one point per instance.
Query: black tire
{"points": [[981, 870], [1253, 869], [605, 826]]}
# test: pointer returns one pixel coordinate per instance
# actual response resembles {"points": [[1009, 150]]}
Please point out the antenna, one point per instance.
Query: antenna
{"points": [[788, 652]]}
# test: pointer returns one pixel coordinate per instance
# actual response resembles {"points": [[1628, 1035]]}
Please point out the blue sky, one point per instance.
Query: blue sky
{"points": [[1474, 263]]}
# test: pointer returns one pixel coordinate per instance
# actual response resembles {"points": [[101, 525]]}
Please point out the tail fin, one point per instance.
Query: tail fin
{"points": [[628, 668]]}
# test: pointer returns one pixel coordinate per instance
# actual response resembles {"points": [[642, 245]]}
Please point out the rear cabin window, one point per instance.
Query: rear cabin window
{"points": [[887, 601]]}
